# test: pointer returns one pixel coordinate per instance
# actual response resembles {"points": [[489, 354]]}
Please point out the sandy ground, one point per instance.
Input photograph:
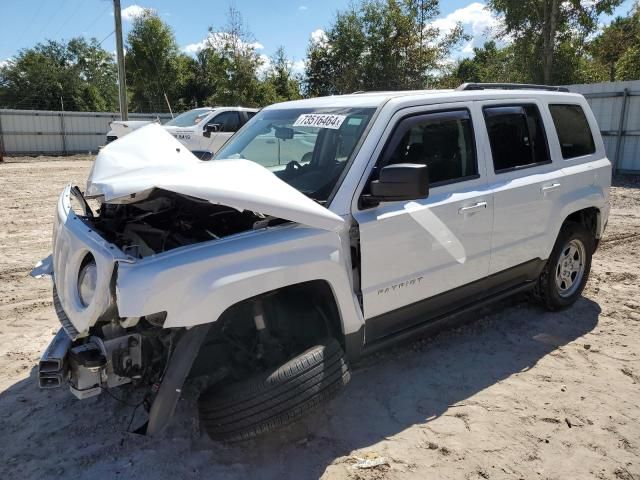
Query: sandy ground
{"points": [[518, 394]]}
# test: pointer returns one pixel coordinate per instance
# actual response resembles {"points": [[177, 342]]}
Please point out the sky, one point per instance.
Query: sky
{"points": [[290, 23]]}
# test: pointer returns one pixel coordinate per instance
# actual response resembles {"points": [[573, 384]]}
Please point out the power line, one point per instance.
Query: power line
{"points": [[93, 22], [59, 9], [37, 14], [69, 17], [112, 32]]}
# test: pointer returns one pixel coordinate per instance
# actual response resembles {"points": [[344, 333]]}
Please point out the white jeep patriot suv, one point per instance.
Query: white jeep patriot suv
{"points": [[323, 230]]}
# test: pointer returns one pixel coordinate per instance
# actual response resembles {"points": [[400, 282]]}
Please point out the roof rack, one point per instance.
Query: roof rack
{"points": [[510, 86]]}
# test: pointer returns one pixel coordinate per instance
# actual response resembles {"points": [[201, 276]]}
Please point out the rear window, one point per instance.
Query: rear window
{"points": [[517, 136], [573, 130]]}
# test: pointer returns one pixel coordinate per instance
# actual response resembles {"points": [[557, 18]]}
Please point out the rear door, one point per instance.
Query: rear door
{"points": [[413, 251], [527, 184]]}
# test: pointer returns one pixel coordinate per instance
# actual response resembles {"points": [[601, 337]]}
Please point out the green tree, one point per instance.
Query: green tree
{"points": [[628, 67], [490, 63], [280, 84], [229, 64], [320, 67], [154, 65], [620, 39], [379, 45], [206, 76], [544, 26], [515, 63], [78, 73]]}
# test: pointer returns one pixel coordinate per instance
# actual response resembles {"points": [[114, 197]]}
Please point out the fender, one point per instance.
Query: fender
{"points": [[194, 285]]}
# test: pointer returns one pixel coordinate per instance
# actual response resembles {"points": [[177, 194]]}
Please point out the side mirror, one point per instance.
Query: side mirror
{"points": [[401, 181], [211, 128]]}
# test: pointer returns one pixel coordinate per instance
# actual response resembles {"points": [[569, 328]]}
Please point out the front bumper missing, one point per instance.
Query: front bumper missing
{"points": [[90, 364]]}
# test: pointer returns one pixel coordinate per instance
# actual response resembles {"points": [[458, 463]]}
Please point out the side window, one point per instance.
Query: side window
{"points": [[250, 115], [573, 130], [443, 141], [228, 121], [516, 135]]}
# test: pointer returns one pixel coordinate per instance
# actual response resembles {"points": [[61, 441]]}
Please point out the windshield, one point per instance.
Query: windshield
{"points": [[190, 118], [307, 148]]}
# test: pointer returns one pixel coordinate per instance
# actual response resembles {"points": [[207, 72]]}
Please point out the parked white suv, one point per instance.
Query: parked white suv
{"points": [[373, 217], [202, 130]]}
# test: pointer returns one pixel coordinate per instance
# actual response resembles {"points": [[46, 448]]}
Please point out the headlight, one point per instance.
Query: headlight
{"points": [[87, 281]]}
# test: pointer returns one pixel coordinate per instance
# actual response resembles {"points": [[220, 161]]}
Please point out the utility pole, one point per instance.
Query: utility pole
{"points": [[122, 84]]}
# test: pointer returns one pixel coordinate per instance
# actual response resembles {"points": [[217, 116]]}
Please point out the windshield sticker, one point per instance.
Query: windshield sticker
{"points": [[321, 120]]}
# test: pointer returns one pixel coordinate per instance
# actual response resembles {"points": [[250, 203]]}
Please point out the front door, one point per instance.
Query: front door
{"points": [[227, 124], [414, 251]]}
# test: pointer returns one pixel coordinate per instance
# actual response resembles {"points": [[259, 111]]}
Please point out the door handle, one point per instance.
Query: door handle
{"points": [[548, 188], [472, 208]]}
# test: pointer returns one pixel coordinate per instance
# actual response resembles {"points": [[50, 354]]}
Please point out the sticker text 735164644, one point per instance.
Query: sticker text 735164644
{"points": [[321, 120]]}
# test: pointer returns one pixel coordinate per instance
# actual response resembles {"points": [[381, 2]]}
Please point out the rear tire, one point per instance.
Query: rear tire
{"points": [[567, 270], [277, 397]]}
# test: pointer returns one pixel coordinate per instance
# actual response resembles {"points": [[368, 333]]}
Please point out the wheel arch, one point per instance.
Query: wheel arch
{"points": [[317, 293], [590, 217], [587, 214]]}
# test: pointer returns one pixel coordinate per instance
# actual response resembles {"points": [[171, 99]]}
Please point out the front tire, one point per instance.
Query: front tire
{"points": [[566, 273], [277, 397]]}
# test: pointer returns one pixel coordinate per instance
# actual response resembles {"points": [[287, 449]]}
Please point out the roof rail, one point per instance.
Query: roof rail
{"points": [[510, 86]]}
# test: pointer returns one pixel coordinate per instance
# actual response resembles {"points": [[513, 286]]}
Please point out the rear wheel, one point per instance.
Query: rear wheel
{"points": [[567, 270], [277, 397]]}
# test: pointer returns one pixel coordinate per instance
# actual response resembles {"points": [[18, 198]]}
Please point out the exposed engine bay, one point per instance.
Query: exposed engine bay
{"points": [[166, 220]]}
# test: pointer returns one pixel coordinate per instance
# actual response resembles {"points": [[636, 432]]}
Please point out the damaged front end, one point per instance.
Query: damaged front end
{"points": [[131, 281], [95, 348]]}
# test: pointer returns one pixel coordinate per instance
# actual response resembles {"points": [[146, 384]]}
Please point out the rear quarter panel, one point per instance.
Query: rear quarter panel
{"points": [[588, 178]]}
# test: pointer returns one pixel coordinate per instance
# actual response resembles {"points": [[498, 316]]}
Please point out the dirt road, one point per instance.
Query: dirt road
{"points": [[521, 393]]}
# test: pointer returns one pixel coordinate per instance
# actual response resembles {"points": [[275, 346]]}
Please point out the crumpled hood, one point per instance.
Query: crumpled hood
{"points": [[150, 157]]}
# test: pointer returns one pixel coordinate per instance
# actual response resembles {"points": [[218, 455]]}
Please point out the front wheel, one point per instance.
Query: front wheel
{"points": [[277, 397], [567, 270]]}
